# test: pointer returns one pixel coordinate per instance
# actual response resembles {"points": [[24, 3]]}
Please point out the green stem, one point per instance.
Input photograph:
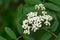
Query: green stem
{"points": [[51, 33], [18, 37]]}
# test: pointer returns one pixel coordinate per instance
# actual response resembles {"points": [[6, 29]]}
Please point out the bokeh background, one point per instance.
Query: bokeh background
{"points": [[12, 13]]}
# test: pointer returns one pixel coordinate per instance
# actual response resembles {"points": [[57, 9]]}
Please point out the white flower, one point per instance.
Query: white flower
{"points": [[25, 24], [37, 7], [40, 17], [26, 32], [39, 25], [47, 23], [43, 8], [50, 18], [35, 18], [30, 20], [40, 7], [29, 28], [32, 14], [47, 17], [34, 28], [44, 12], [35, 21]]}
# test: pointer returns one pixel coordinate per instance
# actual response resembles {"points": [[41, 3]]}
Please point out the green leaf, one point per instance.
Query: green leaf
{"points": [[28, 37], [11, 34], [20, 30], [32, 1], [20, 15], [38, 35], [28, 9], [55, 24], [20, 18], [52, 7], [46, 36], [58, 15], [1, 38], [20, 9], [20, 12], [42, 35], [55, 1]]}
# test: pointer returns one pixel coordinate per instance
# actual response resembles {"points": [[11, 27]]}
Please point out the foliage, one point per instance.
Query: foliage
{"points": [[13, 12]]}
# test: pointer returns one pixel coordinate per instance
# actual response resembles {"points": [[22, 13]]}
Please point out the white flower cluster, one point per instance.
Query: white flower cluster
{"points": [[34, 21], [40, 6]]}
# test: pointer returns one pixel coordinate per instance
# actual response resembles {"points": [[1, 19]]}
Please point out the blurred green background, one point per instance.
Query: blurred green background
{"points": [[12, 13]]}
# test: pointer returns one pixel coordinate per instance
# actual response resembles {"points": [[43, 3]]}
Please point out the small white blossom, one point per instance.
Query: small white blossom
{"points": [[26, 32], [34, 28], [47, 17], [50, 17], [24, 26], [35, 21], [44, 12], [40, 7], [37, 7], [40, 17], [43, 8], [32, 14], [25, 22], [47, 23], [30, 20]]}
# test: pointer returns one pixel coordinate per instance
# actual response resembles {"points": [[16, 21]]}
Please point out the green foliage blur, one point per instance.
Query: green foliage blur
{"points": [[13, 12]]}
